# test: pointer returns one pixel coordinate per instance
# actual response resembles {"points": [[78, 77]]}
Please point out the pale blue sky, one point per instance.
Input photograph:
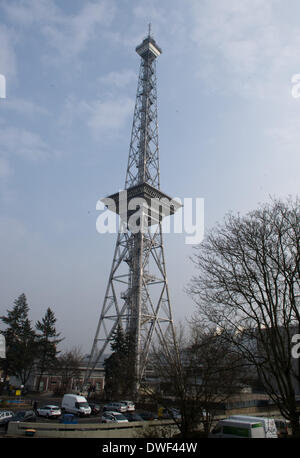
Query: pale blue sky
{"points": [[229, 132]]}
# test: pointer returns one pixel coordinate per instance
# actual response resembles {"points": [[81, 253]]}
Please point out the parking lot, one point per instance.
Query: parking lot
{"points": [[57, 401], [62, 425], [84, 420]]}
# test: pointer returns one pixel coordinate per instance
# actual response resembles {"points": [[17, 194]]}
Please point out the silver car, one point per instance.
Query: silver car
{"points": [[5, 416], [115, 407], [129, 405], [49, 411], [113, 417]]}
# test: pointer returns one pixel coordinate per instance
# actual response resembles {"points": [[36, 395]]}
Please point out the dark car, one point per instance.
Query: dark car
{"points": [[24, 415], [95, 408], [170, 413], [132, 416], [148, 415], [5, 416]]}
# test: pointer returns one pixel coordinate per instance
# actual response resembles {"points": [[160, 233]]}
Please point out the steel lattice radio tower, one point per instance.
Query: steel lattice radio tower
{"points": [[137, 296]]}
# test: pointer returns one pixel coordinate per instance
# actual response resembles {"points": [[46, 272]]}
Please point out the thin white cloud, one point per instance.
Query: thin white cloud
{"points": [[286, 137], [68, 34], [244, 47], [6, 172], [5, 168], [28, 12], [24, 107], [119, 79], [23, 143], [8, 63], [101, 116], [109, 114], [12, 229]]}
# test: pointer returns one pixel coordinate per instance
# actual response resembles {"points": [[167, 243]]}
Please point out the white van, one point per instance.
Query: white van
{"points": [[238, 429], [76, 404], [268, 424]]}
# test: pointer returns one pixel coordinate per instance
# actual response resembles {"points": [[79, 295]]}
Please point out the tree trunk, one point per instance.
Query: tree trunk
{"points": [[2, 384], [39, 382], [294, 419]]}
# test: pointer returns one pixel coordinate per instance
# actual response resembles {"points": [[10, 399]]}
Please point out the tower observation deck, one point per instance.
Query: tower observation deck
{"points": [[137, 294]]}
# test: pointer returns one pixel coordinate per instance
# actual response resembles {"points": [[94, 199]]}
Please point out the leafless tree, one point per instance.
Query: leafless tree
{"points": [[68, 367], [199, 374], [248, 287]]}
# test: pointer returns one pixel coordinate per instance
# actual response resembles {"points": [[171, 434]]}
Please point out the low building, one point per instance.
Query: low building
{"points": [[52, 381]]}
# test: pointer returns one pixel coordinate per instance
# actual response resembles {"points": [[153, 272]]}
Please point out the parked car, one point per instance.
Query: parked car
{"points": [[148, 415], [113, 417], [282, 427], [73, 403], [129, 405], [132, 416], [95, 408], [49, 411], [169, 413], [20, 416], [24, 415], [115, 407], [68, 419], [5, 416]]}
